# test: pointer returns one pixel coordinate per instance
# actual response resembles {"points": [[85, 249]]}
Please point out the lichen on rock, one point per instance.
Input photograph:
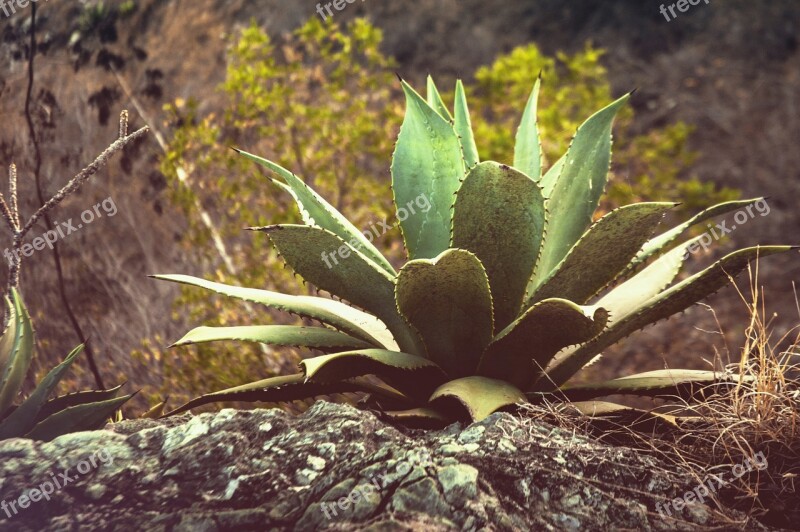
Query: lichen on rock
{"points": [[339, 468]]}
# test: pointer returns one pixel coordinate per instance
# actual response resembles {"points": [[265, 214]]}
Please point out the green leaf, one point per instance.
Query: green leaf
{"points": [[663, 240], [285, 335], [338, 315], [528, 147], [319, 213], [412, 375], [435, 99], [601, 253], [325, 260], [448, 301], [612, 417], [577, 190], [20, 355], [629, 296], [665, 382], [78, 418], [521, 352], [9, 335], [427, 168], [550, 177], [480, 396], [671, 301], [155, 412], [427, 418], [285, 388], [74, 399], [24, 417], [499, 215], [463, 127]]}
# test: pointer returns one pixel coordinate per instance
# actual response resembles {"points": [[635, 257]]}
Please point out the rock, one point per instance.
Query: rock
{"points": [[337, 468]]}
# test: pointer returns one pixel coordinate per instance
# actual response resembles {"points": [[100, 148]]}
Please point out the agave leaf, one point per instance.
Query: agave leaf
{"points": [[427, 165], [628, 296], [522, 350], [614, 417], [20, 356], [499, 215], [601, 253], [550, 177], [576, 193], [435, 99], [663, 240], [418, 417], [374, 387], [480, 396], [157, 411], [463, 127], [665, 382], [24, 416], [91, 416], [74, 399], [9, 334], [285, 388], [448, 301], [528, 147], [319, 213], [285, 335], [665, 304], [349, 275], [410, 374], [338, 315]]}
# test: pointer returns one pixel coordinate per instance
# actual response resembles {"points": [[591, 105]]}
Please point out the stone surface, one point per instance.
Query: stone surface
{"points": [[335, 468]]}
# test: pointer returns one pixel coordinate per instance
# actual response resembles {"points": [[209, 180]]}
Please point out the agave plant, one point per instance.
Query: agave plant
{"points": [[39, 417], [510, 288]]}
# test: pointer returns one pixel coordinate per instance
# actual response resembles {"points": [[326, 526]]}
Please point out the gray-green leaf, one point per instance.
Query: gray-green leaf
{"points": [[427, 168], [499, 215], [577, 190]]}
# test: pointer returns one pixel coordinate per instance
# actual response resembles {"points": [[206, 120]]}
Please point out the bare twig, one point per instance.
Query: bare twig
{"points": [[76, 182], [6, 211], [11, 212], [12, 192]]}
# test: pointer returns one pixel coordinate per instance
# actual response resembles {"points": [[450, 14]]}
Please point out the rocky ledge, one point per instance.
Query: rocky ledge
{"points": [[339, 468]]}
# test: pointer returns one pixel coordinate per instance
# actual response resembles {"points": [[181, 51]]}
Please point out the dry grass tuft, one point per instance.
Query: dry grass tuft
{"points": [[756, 420]]}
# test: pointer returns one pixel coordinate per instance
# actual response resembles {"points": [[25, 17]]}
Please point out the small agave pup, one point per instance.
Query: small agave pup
{"points": [[505, 295], [39, 417]]}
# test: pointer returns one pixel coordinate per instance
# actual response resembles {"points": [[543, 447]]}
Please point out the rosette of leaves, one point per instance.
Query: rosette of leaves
{"points": [[510, 288], [41, 417]]}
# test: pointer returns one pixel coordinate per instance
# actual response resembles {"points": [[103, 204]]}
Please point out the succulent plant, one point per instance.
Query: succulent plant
{"points": [[39, 417], [510, 289]]}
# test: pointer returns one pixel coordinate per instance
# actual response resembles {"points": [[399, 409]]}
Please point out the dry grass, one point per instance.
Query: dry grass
{"points": [[724, 427]]}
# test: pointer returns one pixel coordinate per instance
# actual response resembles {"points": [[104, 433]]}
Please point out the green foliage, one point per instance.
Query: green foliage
{"points": [[506, 309], [303, 84], [39, 417], [127, 8], [651, 166], [322, 102]]}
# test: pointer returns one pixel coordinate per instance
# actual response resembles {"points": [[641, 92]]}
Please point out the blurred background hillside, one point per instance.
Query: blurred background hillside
{"points": [[715, 117]]}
